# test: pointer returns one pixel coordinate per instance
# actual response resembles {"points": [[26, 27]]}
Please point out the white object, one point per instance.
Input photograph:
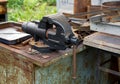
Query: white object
{"points": [[66, 6]]}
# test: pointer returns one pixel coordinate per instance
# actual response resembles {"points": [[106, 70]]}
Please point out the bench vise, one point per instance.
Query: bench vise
{"points": [[53, 30]]}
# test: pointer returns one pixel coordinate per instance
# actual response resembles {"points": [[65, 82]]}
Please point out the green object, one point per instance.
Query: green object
{"points": [[28, 10]]}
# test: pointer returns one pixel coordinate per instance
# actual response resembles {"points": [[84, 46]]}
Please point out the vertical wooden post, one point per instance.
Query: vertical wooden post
{"points": [[81, 5]]}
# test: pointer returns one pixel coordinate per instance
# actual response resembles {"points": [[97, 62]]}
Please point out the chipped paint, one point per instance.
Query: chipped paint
{"points": [[14, 70], [61, 71]]}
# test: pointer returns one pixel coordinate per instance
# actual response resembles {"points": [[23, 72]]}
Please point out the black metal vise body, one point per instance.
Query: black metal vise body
{"points": [[61, 36]]}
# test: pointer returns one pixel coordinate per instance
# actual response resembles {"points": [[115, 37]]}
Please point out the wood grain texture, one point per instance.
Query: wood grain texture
{"points": [[81, 5]]}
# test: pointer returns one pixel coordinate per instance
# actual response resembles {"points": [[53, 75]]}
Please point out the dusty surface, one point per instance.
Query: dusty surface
{"points": [[41, 59]]}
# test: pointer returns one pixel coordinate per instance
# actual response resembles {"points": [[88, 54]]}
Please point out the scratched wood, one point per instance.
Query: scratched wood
{"points": [[14, 69]]}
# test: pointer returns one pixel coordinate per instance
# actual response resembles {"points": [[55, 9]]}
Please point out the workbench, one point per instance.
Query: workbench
{"points": [[18, 66]]}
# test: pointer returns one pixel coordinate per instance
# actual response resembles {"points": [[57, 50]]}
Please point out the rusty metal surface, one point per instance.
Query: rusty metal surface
{"points": [[60, 72], [112, 69], [74, 61], [104, 41], [37, 57], [111, 4], [57, 66], [15, 69]]}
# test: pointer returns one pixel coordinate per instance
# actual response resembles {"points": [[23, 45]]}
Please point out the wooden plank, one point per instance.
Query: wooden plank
{"points": [[81, 6], [104, 41]]}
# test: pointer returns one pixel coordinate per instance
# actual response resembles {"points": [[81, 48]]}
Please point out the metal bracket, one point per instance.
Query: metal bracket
{"points": [[97, 23]]}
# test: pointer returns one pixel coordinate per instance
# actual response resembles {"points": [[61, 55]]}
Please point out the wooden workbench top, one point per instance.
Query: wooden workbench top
{"points": [[37, 58], [103, 41]]}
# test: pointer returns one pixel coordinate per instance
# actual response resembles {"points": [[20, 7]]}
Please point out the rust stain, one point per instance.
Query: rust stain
{"points": [[68, 69], [14, 69], [37, 58], [86, 64]]}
